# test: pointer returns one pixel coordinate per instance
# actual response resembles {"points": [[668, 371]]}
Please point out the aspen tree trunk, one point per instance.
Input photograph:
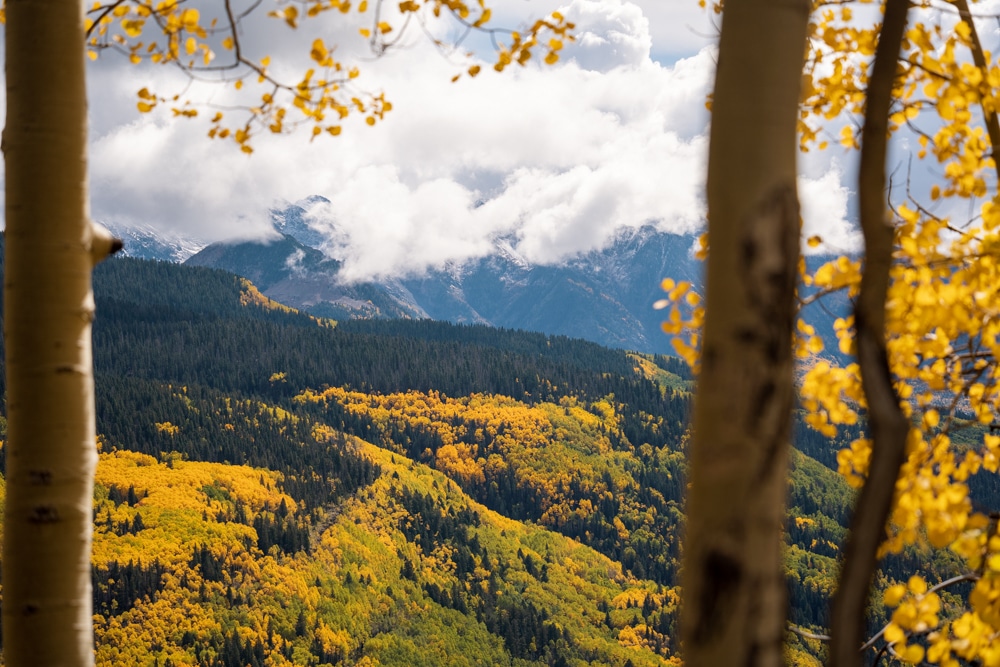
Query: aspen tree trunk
{"points": [[734, 595], [48, 307]]}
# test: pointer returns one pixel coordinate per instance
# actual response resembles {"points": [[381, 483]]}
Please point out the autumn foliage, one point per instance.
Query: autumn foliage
{"points": [[943, 332], [207, 45]]}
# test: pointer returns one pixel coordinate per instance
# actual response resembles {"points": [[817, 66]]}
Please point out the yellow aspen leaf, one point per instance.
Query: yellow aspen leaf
{"points": [[363, 6], [190, 45], [365, 32], [370, 120], [238, 84], [384, 27], [189, 17], [144, 107], [894, 595], [685, 351], [679, 290], [814, 241], [334, 130], [92, 54], [133, 28], [474, 70], [912, 653], [483, 18], [228, 43], [319, 52], [552, 58]]}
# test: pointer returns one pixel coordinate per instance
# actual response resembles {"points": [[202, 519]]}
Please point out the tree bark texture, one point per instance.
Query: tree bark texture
{"points": [[734, 594], [48, 308], [887, 424]]}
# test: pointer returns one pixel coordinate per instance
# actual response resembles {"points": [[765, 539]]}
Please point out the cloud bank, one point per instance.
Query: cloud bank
{"points": [[553, 159]]}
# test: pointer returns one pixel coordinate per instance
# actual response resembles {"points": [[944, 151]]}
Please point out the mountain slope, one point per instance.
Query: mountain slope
{"points": [[405, 572], [277, 488], [605, 296]]}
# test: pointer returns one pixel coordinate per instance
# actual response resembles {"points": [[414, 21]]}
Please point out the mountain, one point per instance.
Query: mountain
{"points": [[605, 296], [147, 243], [301, 276], [292, 219]]}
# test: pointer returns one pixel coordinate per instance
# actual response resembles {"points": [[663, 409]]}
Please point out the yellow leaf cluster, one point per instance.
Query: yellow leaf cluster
{"points": [[942, 314], [684, 319], [168, 32]]}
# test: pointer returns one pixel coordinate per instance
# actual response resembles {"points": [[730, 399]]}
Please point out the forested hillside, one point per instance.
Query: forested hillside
{"points": [[277, 489]]}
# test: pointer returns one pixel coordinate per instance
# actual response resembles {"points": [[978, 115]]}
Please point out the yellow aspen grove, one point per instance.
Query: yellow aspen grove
{"points": [[733, 582], [50, 249]]}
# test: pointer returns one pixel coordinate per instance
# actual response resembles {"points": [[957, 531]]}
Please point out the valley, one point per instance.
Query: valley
{"points": [[276, 488]]}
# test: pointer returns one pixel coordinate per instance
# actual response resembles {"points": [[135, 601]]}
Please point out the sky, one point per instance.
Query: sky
{"points": [[554, 159]]}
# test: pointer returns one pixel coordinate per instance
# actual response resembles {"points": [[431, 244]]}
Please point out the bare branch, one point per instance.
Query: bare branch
{"points": [[889, 426]]}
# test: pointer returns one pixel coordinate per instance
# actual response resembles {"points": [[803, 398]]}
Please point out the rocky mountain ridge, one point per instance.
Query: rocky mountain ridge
{"points": [[605, 295]]}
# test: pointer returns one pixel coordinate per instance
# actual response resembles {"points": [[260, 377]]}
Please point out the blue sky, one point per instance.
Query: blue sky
{"points": [[555, 159]]}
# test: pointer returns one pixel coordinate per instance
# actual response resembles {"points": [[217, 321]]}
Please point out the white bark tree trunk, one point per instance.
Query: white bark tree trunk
{"points": [[734, 592], [50, 250]]}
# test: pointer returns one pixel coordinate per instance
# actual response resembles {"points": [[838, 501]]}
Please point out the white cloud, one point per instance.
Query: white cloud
{"points": [[824, 208], [562, 156], [609, 35], [552, 159]]}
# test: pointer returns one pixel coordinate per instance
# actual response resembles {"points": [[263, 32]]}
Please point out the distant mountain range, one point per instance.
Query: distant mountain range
{"points": [[605, 296], [144, 242]]}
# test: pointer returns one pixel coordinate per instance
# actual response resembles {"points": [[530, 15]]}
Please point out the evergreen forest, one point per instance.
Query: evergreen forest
{"points": [[280, 489]]}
